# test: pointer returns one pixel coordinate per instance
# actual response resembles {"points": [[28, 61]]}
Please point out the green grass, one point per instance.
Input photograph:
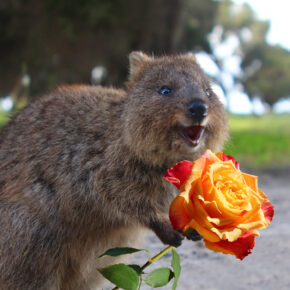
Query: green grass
{"points": [[260, 142], [4, 117]]}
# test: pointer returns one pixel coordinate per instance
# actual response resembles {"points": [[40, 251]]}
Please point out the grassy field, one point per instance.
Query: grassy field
{"points": [[3, 118], [260, 142], [256, 142]]}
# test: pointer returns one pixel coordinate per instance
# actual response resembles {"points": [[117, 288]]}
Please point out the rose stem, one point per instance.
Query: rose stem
{"points": [[157, 257], [161, 254], [164, 251], [152, 260]]}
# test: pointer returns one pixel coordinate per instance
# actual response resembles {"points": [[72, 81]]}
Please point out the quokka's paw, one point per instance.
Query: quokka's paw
{"points": [[194, 236], [172, 238], [165, 232]]}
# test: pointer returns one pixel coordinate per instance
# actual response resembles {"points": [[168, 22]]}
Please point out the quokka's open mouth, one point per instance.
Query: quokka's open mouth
{"points": [[192, 135]]}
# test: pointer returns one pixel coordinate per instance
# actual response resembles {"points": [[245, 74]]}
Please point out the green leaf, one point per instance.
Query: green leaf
{"points": [[175, 264], [114, 252], [159, 277], [122, 276], [137, 268]]}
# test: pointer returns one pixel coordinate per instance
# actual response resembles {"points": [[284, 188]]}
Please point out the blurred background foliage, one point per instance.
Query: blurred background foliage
{"points": [[260, 143], [60, 41], [47, 43]]}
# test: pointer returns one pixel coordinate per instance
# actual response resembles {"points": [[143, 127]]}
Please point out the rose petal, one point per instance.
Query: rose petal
{"points": [[224, 157], [210, 156], [240, 248], [179, 172], [211, 236], [177, 213], [254, 219], [196, 172], [268, 210], [251, 181]]}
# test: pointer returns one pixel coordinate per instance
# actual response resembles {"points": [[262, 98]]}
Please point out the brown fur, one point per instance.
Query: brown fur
{"points": [[81, 171]]}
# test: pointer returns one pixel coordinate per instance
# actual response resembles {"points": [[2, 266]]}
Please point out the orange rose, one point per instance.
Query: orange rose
{"points": [[220, 202]]}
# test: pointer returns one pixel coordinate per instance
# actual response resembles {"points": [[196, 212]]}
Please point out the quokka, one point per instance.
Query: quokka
{"points": [[81, 170]]}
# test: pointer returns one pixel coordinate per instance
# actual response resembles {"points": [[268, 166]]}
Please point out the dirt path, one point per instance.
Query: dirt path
{"points": [[268, 267]]}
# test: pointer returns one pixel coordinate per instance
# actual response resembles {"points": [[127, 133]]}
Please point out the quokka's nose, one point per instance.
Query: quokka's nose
{"points": [[197, 110]]}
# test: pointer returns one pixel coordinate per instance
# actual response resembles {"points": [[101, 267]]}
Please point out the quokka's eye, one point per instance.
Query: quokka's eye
{"points": [[207, 92], [165, 91]]}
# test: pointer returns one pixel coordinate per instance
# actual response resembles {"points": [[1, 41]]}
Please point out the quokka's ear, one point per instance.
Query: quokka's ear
{"points": [[190, 55], [136, 60]]}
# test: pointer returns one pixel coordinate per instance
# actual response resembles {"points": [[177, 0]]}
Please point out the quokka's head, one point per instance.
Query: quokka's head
{"points": [[171, 112]]}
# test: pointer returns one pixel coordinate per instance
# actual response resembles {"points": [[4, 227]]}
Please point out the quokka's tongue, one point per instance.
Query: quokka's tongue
{"points": [[193, 134]]}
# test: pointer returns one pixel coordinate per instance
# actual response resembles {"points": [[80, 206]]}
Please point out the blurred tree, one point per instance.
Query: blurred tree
{"points": [[199, 21], [61, 41], [271, 80], [265, 68]]}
